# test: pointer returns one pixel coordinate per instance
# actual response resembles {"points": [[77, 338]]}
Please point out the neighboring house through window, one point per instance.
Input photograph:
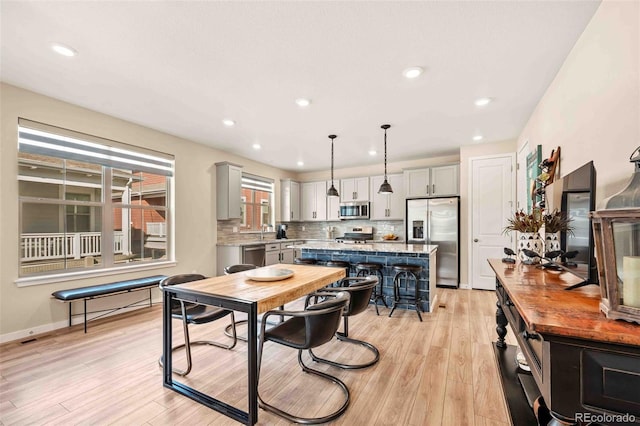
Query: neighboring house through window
{"points": [[88, 203], [257, 202]]}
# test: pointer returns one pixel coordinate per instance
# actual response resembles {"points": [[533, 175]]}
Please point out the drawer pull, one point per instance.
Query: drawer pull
{"points": [[508, 302], [532, 336]]}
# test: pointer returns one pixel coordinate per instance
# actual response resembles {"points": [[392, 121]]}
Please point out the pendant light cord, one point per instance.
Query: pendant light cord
{"points": [[332, 162], [385, 155]]}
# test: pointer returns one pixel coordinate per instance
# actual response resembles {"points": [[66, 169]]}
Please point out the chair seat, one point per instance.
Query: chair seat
{"points": [[289, 333], [338, 263], [200, 314], [407, 268], [302, 261], [369, 265]]}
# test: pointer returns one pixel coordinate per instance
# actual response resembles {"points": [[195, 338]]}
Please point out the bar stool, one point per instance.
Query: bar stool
{"points": [[406, 271], [339, 264], [372, 268], [303, 261]]}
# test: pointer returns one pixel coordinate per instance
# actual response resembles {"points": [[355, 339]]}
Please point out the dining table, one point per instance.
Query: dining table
{"points": [[252, 292]]}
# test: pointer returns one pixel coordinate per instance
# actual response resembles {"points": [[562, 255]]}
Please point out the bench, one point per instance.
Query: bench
{"points": [[103, 290]]}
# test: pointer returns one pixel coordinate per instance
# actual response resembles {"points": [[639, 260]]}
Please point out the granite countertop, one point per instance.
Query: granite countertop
{"points": [[257, 242], [377, 247]]}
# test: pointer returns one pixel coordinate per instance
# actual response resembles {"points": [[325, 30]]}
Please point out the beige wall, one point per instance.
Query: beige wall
{"points": [[592, 108], [25, 309]]}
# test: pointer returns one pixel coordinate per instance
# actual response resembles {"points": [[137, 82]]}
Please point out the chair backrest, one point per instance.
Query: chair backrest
{"points": [[360, 290], [323, 319], [232, 269], [179, 279]]}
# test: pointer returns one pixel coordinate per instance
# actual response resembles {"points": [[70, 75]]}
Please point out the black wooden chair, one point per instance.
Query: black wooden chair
{"points": [[307, 329], [360, 290], [193, 313]]}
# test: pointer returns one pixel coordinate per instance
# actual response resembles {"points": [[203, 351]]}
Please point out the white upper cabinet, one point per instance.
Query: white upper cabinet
{"points": [[289, 200], [314, 201], [432, 182], [228, 190], [354, 189], [391, 206], [333, 203]]}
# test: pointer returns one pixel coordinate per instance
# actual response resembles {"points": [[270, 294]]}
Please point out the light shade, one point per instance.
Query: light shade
{"points": [[385, 188], [332, 191]]}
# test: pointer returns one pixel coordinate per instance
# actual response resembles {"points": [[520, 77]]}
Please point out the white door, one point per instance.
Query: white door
{"points": [[492, 195], [521, 176]]}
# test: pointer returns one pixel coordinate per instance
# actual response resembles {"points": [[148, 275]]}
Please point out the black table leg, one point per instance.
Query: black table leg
{"points": [[501, 326]]}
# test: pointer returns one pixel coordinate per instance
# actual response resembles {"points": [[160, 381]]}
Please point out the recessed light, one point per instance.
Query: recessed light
{"points": [[480, 102], [300, 163], [372, 152], [64, 50], [477, 138], [303, 102], [413, 72], [256, 146], [228, 122]]}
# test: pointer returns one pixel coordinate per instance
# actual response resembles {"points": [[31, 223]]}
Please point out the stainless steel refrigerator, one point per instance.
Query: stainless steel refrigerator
{"points": [[437, 221]]}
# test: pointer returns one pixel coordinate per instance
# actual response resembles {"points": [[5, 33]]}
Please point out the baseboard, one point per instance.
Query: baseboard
{"points": [[465, 286], [30, 333]]}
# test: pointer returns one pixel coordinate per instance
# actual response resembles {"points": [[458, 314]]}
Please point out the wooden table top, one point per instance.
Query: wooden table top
{"points": [[547, 308], [268, 294]]}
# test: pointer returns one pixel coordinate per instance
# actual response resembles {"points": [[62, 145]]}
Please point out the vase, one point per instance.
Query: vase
{"points": [[552, 243], [530, 241]]}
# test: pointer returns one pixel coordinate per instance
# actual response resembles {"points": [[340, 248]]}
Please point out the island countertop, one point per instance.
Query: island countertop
{"points": [[370, 247]]}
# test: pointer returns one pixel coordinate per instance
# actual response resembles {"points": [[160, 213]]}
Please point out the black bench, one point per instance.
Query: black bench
{"points": [[102, 290]]}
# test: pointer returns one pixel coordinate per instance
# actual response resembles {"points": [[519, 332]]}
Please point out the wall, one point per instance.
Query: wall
{"points": [[26, 310], [592, 107]]}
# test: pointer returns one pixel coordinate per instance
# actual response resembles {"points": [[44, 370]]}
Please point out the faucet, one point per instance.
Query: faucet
{"points": [[262, 232]]}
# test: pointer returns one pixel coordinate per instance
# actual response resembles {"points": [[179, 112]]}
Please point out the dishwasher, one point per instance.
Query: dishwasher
{"points": [[253, 255]]}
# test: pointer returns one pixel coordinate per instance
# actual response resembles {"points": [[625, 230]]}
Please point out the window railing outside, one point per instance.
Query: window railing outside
{"points": [[49, 246]]}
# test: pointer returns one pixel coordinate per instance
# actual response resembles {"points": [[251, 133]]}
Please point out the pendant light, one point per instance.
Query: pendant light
{"points": [[385, 188], [332, 192]]}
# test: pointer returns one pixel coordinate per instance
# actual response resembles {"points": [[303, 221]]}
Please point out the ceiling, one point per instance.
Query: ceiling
{"points": [[181, 67]]}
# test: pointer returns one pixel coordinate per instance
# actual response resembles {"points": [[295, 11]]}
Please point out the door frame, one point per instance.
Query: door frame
{"points": [[512, 156]]}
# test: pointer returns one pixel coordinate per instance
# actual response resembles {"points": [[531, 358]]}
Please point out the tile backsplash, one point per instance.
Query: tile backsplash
{"points": [[311, 230]]}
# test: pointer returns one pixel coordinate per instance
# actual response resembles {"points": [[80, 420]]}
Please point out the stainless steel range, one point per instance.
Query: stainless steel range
{"points": [[357, 235]]}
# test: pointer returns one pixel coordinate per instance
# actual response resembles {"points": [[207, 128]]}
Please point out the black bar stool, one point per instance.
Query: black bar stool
{"points": [[373, 268], [406, 271], [302, 261], [339, 264]]}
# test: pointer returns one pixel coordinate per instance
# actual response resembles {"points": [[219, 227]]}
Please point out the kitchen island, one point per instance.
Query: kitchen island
{"points": [[388, 254]]}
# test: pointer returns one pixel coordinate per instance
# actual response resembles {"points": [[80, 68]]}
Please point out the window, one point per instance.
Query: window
{"points": [[257, 202], [88, 203]]}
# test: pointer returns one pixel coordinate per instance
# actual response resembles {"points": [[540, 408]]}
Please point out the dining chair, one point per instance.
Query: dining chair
{"points": [[306, 329], [360, 290], [234, 269], [194, 313]]}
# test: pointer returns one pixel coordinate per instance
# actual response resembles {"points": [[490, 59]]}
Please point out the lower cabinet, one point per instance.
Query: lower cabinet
{"points": [[278, 253]]}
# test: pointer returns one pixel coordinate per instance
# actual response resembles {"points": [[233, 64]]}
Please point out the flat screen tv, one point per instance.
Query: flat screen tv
{"points": [[575, 195]]}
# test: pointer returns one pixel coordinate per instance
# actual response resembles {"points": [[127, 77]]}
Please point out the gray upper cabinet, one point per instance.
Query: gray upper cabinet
{"points": [[228, 190], [391, 206], [432, 181], [289, 200], [354, 189]]}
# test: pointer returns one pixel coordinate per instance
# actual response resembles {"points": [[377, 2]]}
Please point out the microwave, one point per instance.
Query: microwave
{"points": [[354, 210]]}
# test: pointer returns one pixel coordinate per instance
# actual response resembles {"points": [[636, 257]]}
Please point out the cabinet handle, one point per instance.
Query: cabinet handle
{"points": [[428, 190], [532, 336], [433, 188]]}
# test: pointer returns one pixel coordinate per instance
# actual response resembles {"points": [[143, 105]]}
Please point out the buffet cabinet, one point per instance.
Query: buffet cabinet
{"points": [[584, 367]]}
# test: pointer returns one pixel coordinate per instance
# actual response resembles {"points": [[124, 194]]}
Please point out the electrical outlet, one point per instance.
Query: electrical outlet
{"points": [[304, 228], [235, 229]]}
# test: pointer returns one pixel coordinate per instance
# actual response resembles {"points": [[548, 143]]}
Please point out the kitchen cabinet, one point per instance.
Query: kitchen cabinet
{"points": [[391, 206], [228, 190], [333, 203], [354, 189], [289, 200], [278, 253], [313, 203], [437, 181]]}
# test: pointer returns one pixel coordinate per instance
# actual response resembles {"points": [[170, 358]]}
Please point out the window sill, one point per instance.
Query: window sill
{"points": [[70, 276]]}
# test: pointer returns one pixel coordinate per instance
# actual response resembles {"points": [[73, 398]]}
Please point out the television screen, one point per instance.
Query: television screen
{"points": [[574, 195]]}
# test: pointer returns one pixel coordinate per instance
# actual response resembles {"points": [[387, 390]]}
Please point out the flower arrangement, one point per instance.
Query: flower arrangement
{"points": [[557, 221], [525, 222]]}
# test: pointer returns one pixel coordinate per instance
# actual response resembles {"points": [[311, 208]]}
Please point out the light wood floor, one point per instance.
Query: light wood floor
{"points": [[438, 372]]}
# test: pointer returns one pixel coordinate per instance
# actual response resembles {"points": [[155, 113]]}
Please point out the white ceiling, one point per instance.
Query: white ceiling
{"points": [[183, 66]]}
